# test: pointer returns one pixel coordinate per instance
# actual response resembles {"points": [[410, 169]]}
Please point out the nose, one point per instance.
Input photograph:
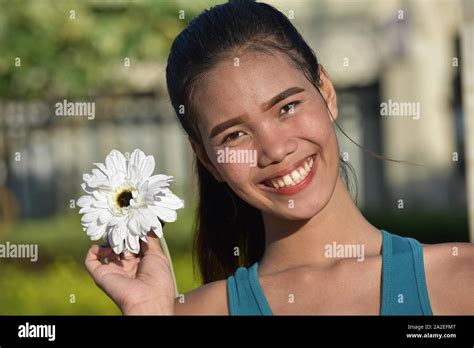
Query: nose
{"points": [[275, 143]]}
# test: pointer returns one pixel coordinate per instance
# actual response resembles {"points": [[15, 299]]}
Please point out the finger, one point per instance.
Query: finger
{"points": [[107, 253], [127, 255], [94, 256], [153, 246], [105, 250], [112, 257]]}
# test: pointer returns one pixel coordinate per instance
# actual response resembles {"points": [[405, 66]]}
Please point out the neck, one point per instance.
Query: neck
{"points": [[292, 244]]}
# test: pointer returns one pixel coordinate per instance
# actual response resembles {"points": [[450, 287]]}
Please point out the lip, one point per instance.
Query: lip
{"points": [[290, 190]]}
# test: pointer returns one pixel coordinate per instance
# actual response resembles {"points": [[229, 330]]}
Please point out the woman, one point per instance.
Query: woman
{"points": [[243, 82]]}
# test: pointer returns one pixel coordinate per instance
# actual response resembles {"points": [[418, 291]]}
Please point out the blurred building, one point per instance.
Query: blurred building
{"points": [[46, 155]]}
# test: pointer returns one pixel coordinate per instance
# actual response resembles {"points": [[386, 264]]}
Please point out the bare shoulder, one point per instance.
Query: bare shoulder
{"points": [[449, 269], [209, 299]]}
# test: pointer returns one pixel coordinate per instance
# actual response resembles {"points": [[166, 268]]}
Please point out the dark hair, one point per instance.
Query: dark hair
{"points": [[224, 221]]}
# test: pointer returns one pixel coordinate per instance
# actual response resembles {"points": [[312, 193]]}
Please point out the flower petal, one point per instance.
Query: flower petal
{"points": [[92, 216], [86, 210], [122, 229], [102, 168], [117, 248], [147, 167], [115, 162], [117, 237], [104, 216], [91, 229], [97, 182], [114, 220], [170, 202], [158, 230], [136, 158], [134, 174], [132, 244], [100, 196], [133, 226], [159, 180], [98, 233], [165, 214], [87, 188], [120, 161], [85, 201], [146, 219], [98, 173]]}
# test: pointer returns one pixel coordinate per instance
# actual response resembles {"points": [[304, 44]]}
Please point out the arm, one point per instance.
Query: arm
{"points": [[449, 269], [209, 299]]}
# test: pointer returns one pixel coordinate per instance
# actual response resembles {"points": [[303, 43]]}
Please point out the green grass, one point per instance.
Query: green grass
{"points": [[61, 288], [65, 288], [46, 287]]}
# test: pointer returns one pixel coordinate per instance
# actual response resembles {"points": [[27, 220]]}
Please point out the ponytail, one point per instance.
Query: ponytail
{"points": [[229, 232]]}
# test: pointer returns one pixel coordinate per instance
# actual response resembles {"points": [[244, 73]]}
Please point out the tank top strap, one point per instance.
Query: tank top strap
{"points": [[404, 289], [244, 293]]}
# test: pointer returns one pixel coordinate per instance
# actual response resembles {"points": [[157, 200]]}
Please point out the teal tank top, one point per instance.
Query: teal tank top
{"points": [[404, 289]]}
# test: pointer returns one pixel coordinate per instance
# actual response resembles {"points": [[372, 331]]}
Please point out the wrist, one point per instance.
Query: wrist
{"points": [[151, 307]]}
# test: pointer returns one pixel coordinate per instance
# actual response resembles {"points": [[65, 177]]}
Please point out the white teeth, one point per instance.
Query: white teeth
{"points": [[293, 178], [287, 180], [296, 176]]}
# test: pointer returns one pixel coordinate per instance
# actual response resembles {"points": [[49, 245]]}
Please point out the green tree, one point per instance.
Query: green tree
{"points": [[74, 48]]}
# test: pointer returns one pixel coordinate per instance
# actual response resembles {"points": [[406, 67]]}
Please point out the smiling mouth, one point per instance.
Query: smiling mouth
{"points": [[292, 178]]}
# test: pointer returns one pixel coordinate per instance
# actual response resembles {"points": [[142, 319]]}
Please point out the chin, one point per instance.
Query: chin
{"points": [[304, 212]]}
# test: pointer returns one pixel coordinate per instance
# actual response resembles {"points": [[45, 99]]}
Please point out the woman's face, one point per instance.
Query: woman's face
{"points": [[279, 154]]}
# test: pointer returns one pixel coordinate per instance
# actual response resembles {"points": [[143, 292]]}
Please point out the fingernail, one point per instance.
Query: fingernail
{"points": [[105, 245]]}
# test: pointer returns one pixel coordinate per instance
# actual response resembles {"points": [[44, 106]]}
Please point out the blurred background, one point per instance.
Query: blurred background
{"points": [[113, 53]]}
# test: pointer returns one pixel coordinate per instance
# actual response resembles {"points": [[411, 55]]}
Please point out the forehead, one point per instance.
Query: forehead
{"points": [[234, 87]]}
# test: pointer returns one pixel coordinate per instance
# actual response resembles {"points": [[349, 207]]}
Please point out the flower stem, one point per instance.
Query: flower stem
{"points": [[164, 246]]}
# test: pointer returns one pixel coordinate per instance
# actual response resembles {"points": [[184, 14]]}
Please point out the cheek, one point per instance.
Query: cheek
{"points": [[315, 125], [237, 175]]}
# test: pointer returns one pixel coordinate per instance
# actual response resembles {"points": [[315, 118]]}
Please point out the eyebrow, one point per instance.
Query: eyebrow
{"points": [[265, 106], [227, 124], [281, 96]]}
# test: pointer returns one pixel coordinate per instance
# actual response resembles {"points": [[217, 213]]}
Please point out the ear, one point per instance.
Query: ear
{"points": [[204, 159], [328, 92]]}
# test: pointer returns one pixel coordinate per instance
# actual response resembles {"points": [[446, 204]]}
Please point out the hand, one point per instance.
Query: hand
{"points": [[138, 284]]}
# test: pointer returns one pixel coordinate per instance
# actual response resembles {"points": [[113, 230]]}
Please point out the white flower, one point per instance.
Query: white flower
{"points": [[124, 202]]}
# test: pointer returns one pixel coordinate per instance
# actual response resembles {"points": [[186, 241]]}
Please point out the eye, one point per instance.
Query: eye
{"points": [[289, 108], [232, 136]]}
